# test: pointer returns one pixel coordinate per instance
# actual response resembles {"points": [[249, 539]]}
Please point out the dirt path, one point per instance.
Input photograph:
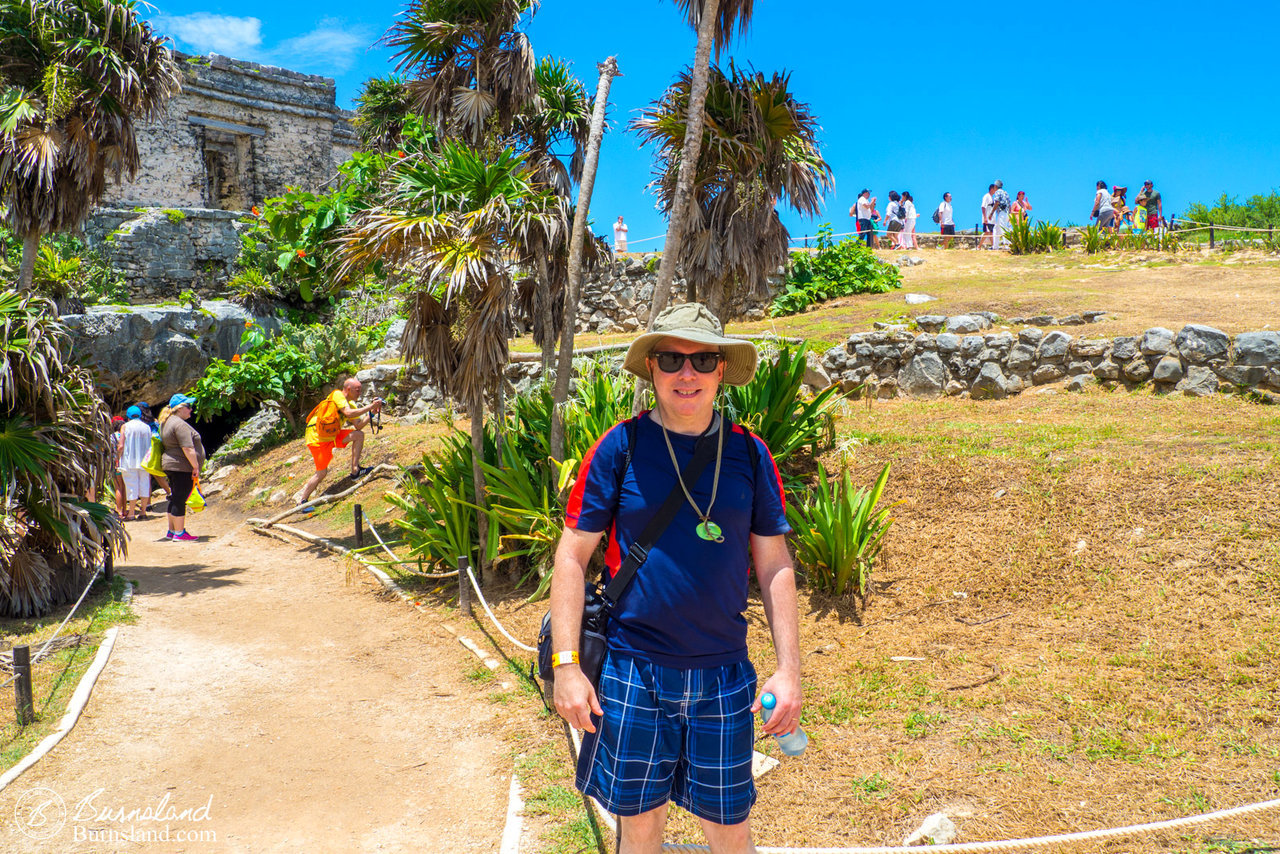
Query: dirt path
{"points": [[304, 713]]}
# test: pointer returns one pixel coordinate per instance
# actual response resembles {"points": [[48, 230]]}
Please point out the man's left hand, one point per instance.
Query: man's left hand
{"points": [[785, 687]]}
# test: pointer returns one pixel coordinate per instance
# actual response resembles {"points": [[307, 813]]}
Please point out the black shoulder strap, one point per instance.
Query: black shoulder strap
{"points": [[703, 451]]}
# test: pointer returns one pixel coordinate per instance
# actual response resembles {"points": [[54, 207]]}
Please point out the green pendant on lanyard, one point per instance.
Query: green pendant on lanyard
{"points": [[706, 529]]}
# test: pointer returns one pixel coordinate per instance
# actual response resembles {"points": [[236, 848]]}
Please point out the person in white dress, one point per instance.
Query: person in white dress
{"points": [[909, 229]]}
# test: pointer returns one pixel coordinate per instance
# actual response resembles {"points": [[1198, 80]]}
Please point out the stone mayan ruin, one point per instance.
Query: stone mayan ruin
{"points": [[238, 133]]}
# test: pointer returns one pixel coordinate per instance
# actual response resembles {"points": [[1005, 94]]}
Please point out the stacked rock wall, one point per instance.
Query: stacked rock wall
{"points": [[1198, 360], [163, 252]]}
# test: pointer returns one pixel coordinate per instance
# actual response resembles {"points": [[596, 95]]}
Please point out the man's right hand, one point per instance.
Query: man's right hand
{"points": [[575, 698]]}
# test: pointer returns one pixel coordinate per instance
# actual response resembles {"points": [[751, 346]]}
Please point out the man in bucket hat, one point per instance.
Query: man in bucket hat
{"points": [[673, 719]]}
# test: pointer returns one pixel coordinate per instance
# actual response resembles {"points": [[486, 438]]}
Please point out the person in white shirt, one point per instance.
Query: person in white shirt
{"points": [[999, 216], [619, 236], [861, 212], [908, 236], [135, 448], [1103, 208], [946, 221], [987, 226]]}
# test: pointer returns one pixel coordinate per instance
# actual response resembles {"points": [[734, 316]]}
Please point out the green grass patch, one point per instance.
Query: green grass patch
{"points": [[54, 679]]}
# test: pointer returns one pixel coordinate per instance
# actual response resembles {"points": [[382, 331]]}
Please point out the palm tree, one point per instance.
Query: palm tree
{"points": [[55, 450], [446, 220], [381, 109], [77, 77], [557, 117], [715, 22], [472, 70], [759, 148]]}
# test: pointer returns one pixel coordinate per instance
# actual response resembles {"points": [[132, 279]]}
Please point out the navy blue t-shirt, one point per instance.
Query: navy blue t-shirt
{"points": [[684, 607]]}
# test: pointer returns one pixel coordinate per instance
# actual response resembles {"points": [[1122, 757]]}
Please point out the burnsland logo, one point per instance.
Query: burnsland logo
{"points": [[41, 814]]}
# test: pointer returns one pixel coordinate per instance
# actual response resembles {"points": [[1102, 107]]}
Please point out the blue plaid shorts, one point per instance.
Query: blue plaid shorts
{"points": [[670, 734]]}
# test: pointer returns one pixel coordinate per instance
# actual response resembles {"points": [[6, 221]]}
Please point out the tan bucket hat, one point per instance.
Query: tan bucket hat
{"points": [[692, 321]]}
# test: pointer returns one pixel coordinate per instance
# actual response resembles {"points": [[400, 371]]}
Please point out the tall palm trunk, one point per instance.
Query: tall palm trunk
{"points": [[27, 271], [546, 316], [564, 367], [475, 411], [688, 160]]}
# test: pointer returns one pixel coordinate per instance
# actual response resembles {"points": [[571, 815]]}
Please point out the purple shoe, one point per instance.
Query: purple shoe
{"points": [[184, 537]]}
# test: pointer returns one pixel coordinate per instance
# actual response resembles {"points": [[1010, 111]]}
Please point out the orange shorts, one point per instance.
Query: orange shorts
{"points": [[323, 454]]}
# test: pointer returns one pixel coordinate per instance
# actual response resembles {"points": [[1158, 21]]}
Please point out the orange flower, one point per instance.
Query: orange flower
{"points": [[254, 211], [400, 154], [236, 357], [248, 324], [302, 253]]}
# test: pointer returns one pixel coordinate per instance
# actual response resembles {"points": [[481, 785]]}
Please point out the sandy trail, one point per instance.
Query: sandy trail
{"points": [[306, 714]]}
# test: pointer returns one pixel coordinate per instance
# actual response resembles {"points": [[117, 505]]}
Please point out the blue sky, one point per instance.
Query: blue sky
{"points": [[926, 96]]}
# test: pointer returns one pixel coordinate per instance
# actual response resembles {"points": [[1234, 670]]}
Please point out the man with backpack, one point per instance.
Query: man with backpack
{"points": [[691, 503], [336, 423], [999, 216]]}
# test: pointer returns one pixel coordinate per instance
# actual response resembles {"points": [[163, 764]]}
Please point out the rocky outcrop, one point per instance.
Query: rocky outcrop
{"points": [[152, 352], [1199, 360]]}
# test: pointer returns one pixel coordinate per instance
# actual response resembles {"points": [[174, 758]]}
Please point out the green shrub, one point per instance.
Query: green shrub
{"points": [[253, 290], [66, 270], [837, 532], [835, 270], [289, 368], [1020, 236]]}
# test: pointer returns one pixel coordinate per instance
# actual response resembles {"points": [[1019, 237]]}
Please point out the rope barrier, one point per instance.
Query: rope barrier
{"points": [[476, 587], [39, 655], [432, 576], [1016, 844], [1222, 227]]}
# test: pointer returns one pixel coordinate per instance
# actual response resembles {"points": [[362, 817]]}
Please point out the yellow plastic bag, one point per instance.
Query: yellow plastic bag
{"points": [[152, 465], [195, 502]]}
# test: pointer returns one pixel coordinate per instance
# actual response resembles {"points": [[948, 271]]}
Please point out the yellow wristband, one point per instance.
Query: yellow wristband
{"points": [[568, 657]]}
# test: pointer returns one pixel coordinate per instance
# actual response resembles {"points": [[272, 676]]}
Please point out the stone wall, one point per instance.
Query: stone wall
{"points": [[236, 134], [616, 296], [163, 252], [1198, 360]]}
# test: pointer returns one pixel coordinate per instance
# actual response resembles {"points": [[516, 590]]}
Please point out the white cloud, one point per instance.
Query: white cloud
{"points": [[330, 47], [224, 34]]}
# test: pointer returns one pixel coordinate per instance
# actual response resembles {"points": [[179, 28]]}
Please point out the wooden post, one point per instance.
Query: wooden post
{"points": [[22, 685], [359, 514], [109, 563], [1210, 236], [464, 586]]}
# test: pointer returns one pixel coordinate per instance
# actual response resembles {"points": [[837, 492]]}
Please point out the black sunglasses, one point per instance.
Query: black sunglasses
{"points": [[671, 363]]}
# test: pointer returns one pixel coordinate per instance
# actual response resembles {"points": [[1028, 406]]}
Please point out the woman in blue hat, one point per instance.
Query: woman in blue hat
{"points": [[183, 456]]}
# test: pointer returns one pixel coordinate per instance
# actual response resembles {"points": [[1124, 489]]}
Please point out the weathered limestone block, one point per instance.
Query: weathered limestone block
{"points": [[923, 376], [1054, 346], [1107, 370], [1156, 341], [1124, 348], [1047, 374], [1257, 348], [990, 384], [1168, 370], [1199, 344], [1022, 358], [1137, 370], [1199, 382], [1090, 347]]}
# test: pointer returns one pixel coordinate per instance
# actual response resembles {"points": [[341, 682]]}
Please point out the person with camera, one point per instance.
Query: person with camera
{"points": [[337, 422], [671, 718]]}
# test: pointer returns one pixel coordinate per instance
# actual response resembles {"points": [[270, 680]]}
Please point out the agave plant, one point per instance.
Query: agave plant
{"points": [[838, 532], [56, 451], [1020, 237], [772, 407]]}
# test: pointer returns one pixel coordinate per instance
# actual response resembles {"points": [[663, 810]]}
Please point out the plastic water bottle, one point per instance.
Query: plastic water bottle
{"points": [[792, 743]]}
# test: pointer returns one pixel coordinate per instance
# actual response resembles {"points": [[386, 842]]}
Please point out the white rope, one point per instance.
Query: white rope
{"points": [[441, 576], [39, 655], [1223, 227], [505, 633], [1015, 844]]}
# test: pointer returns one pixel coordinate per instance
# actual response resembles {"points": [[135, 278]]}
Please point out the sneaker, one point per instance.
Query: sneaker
{"points": [[360, 472], [308, 510], [168, 535], [185, 537]]}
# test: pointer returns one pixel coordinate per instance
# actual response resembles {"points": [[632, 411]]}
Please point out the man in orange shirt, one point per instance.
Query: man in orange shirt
{"points": [[322, 450]]}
